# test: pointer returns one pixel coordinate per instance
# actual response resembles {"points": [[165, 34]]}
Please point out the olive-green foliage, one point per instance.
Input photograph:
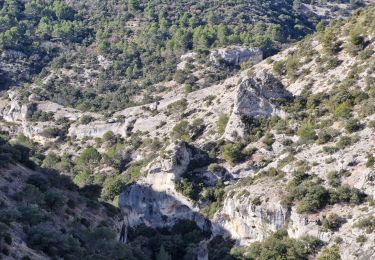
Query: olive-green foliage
{"points": [[268, 140], [222, 123], [361, 239], [345, 141], [177, 108], [278, 67], [310, 196], [52, 132], [370, 160], [88, 159], [330, 253], [280, 246], [306, 132], [51, 160], [150, 54], [232, 153], [187, 188], [332, 222], [19, 151], [86, 119], [356, 39], [367, 223], [330, 42], [115, 184], [353, 125], [343, 110], [326, 135], [181, 131], [334, 178]]}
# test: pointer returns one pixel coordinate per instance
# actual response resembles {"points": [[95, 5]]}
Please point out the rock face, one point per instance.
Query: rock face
{"points": [[153, 200], [99, 128], [15, 111], [236, 55], [255, 97], [248, 221]]}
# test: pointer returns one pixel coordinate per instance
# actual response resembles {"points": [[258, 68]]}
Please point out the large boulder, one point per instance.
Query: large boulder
{"points": [[256, 97], [236, 55]]}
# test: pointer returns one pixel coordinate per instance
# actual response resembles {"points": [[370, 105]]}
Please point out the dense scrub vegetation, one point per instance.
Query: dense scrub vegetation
{"points": [[280, 246], [54, 216], [140, 40]]}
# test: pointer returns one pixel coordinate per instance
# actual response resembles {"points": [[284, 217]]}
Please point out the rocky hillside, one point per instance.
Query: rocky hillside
{"points": [[106, 56], [273, 158]]}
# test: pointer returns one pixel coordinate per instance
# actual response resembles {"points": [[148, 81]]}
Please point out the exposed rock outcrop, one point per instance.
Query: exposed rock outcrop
{"points": [[236, 55], [255, 97], [99, 128], [15, 111], [250, 221], [153, 200]]}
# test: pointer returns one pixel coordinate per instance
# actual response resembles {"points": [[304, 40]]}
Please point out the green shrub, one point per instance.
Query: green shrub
{"points": [[88, 159], [52, 132], [112, 187], [232, 153], [370, 160], [31, 194], [344, 141], [343, 110], [278, 67], [83, 178], [371, 124], [51, 160], [326, 135], [177, 108], [356, 39], [109, 137], [334, 179], [222, 123], [353, 125], [214, 168], [86, 119], [280, 246], [367, 223], [361, 239], [54, 199], [186, 187], [48, 239], [330, 253], [332, 222], [306, 132], [181, 131], [311, 196], [268, 140], [33, 215], [330, 149]]}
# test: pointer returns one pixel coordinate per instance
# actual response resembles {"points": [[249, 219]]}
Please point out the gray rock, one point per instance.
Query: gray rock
{"points": [[236, 55], [154, 201], [256, 97]]}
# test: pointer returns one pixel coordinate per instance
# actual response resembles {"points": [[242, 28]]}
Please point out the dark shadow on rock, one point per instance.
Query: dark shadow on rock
{"points": [[141, 204]]}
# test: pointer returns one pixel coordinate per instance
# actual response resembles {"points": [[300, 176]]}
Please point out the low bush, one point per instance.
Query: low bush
{"points": [[280, 246], [306, 132], [232, 153], [353, 125], [222, 123], [332, 222]]}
